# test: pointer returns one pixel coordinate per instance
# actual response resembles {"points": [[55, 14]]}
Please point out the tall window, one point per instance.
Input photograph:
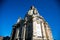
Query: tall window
{"points": [[37, 28]]}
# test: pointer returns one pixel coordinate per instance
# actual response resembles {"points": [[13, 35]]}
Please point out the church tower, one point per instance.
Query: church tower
{"points": [[32, 27]]}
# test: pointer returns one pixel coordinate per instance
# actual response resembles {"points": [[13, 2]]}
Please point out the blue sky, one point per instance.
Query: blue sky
{"points": [[11, 10]]}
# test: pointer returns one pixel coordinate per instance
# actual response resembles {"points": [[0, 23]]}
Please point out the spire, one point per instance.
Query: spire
{"points": [[19, 19]]}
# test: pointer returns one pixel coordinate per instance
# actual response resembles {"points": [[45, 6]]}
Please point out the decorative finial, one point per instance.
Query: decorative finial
{"points": [[32, 7]]}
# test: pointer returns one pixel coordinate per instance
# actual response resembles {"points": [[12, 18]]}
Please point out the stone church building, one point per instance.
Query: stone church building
{"points": [[32, 27]]}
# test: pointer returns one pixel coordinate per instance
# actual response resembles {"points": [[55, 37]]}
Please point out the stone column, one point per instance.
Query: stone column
{"points": [[24, 31], [13, 33], [17, 34], [49, 34], [43, 29]]}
